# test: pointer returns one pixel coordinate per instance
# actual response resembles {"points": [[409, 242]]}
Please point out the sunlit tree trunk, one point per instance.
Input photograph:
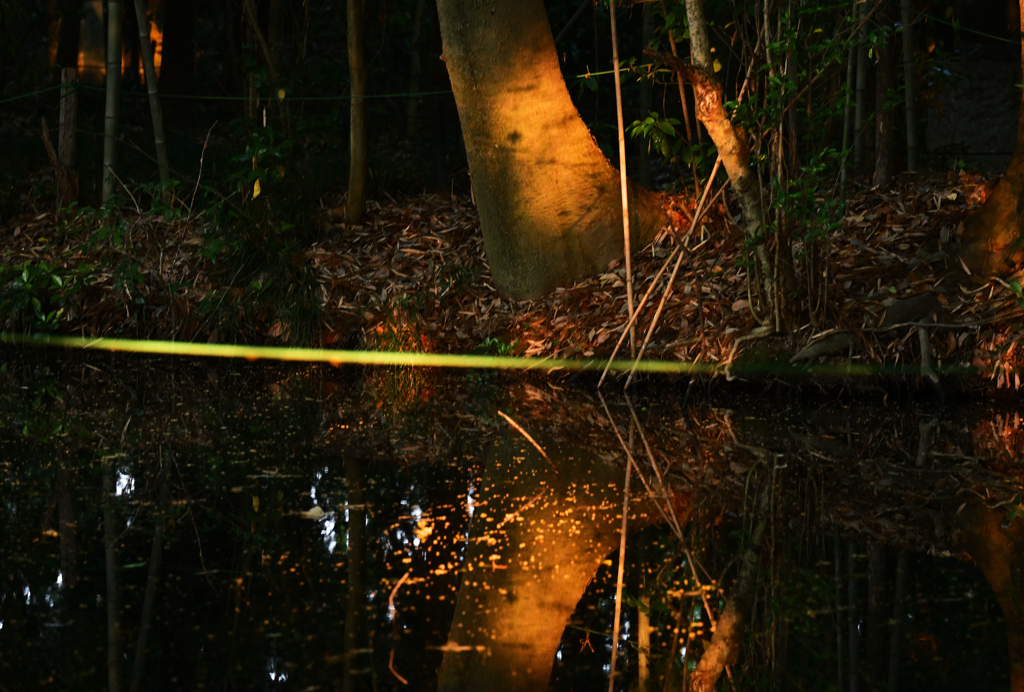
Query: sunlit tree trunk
{"points": [[992, 238], [732, 145], [548, 199], [355, 207]]}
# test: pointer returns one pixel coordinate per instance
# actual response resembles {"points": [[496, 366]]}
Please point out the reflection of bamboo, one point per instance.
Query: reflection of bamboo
{"points": [[837, 558], [114, 652], [898, 615], [67, 527], [394, 620], [356, 547], [854, 619], [152, 580], [669, 512], [618, 579]]}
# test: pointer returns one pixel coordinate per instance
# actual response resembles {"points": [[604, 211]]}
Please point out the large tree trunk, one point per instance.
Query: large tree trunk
{"points": [[992, 237], [549, 201]]}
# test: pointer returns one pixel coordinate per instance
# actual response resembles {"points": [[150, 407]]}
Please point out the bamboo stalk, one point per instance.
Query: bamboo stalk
{"points": [[110, 118], [153, 91], [622, 179]]}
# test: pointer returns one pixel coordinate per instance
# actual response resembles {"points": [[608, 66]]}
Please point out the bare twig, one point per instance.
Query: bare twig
{"points": [[391, 609], [192, 201], [530, 439]]}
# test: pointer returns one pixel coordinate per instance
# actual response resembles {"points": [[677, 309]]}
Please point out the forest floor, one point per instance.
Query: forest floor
{"points": [[414, 276]]}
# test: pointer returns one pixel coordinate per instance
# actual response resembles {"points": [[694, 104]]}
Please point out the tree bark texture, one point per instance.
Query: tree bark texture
{"points": [[355, 207], [548, 199], [992, 238], [734, 152]]}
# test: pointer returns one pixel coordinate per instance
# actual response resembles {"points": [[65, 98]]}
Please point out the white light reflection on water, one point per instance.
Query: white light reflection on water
{"points": [[125, 484], [330, 539], [60, 579], [470, 502]]}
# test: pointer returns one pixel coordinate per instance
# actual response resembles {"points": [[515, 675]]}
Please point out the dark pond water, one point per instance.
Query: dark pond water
{"points": [[179, 525]]}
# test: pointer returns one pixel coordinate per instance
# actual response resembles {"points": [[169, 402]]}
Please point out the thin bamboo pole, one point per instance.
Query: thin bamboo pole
{"points": [[622, 179]]}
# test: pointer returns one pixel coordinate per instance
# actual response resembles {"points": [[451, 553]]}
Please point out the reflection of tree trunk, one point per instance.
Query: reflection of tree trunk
{"points": [[68, 527], [643, 638], [535, 543], [356, 550], [876, 615], [837, 556], [899, 614], [999, 553], [728, 637], [854, 621], [110, 534], [152, 580]]}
